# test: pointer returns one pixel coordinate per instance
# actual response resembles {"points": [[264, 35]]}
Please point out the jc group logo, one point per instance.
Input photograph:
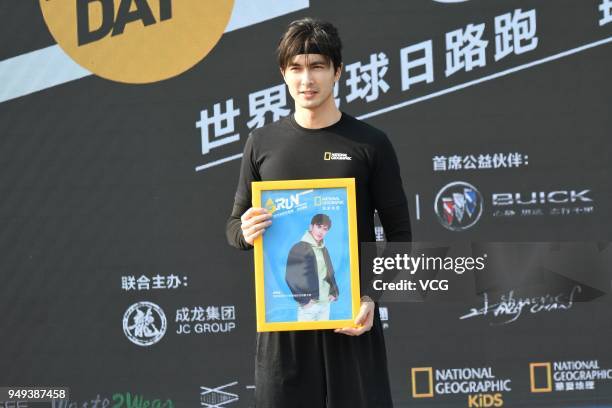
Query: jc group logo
{"points": [[137, 41]]}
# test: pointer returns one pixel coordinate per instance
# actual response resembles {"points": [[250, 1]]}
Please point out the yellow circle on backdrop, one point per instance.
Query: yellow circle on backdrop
{"points": [[137, 41]]}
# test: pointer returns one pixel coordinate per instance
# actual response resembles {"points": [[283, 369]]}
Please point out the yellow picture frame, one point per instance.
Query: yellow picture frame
{"points": [[262, 254]]}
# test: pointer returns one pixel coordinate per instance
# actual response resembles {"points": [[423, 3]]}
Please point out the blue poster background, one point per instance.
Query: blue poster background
{"points": [[292, 213]]}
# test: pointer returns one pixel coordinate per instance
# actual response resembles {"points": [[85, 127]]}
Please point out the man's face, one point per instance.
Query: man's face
{"points": [[319, 231], [310, 79]]}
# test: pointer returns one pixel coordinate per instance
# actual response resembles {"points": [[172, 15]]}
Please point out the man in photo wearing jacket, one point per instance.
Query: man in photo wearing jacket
{"points": [[310, 272]]}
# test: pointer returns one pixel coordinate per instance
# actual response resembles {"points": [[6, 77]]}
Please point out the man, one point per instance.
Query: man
{"points": [[321, 368], [310, 272]]}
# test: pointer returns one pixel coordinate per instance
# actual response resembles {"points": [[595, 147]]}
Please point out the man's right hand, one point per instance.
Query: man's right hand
{"points": [[254, 222]]}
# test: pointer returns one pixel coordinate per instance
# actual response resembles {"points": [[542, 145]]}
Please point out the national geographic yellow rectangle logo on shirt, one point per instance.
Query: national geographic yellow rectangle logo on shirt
{"points": [[336, 156]]}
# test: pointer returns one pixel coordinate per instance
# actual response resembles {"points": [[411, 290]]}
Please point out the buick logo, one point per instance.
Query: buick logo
{"points": [[458, 206], [144, 323]]}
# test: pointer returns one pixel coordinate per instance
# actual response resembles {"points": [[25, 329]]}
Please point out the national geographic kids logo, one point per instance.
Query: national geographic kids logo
{"points": [[480, 385], [137, 41]]}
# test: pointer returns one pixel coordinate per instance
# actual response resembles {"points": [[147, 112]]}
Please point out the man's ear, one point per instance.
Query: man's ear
{"points": [[282, 71], [338, 72]]}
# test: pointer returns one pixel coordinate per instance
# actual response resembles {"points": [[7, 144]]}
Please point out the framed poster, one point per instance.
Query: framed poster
{"points": [[306, 262]]}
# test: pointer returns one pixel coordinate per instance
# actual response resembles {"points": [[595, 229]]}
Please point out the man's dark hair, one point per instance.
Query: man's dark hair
{"points": [[310, 36], [321, 219]]}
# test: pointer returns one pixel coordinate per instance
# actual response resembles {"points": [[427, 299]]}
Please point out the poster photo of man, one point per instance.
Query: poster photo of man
{"points": [[306, 256], [310, 272]]}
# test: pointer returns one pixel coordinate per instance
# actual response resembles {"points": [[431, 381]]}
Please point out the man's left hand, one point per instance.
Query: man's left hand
{"points": [[363, 321]]}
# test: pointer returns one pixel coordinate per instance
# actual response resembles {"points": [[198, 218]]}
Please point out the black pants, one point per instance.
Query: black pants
{"points": [[322, 369]]}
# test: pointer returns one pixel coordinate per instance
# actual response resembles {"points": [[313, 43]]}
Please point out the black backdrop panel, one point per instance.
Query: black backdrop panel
{"points": [[114, 203]]}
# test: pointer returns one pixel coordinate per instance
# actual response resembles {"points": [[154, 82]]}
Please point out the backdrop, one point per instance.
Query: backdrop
{"points": [[121, 130]]}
